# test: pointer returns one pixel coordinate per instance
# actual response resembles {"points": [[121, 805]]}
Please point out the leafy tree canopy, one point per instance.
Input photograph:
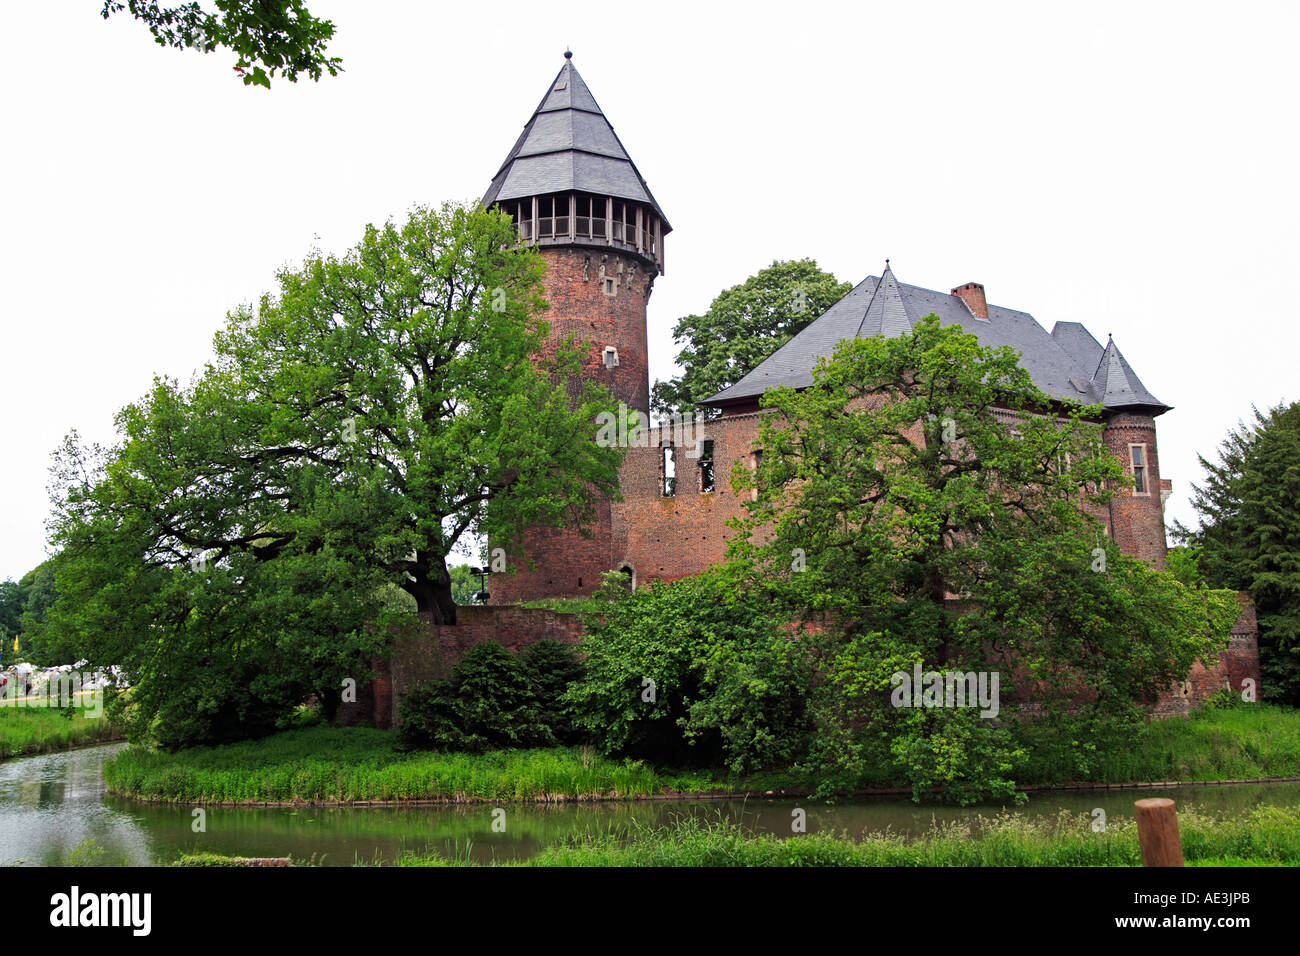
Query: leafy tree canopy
{"points": [[897, 490], [267, 36], [1249, 511], [744, 325], [235, 548]]}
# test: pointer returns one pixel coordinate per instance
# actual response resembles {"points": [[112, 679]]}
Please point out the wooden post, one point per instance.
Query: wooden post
{"points": [[1157, 823]]}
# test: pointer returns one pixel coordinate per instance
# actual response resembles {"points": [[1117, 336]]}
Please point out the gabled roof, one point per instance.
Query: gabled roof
{"points": [[568, 145], [1067, 364]]}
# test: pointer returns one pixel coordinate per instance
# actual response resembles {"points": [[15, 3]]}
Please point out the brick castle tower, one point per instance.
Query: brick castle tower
{"points": [[576, 195]]}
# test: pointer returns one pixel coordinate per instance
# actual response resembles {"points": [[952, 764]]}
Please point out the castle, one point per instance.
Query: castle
{"points": [[575, 194]]}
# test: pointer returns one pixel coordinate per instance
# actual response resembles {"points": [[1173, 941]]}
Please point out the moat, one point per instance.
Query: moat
{"points": [[52, 804]]}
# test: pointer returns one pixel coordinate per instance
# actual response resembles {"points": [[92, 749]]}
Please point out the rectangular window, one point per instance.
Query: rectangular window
{"points": [[758, 466], [618, 221], [670, 471], [706, 465], [1138, 455], [583, 225]]}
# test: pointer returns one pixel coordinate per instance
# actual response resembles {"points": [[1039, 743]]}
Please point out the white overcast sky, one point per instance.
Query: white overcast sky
{"points": [[1128, 166]]}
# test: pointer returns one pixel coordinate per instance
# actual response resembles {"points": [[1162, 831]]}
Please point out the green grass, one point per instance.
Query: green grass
{"points": [[1268, 836], [36, 730], [325, 764], [1245, 742]]}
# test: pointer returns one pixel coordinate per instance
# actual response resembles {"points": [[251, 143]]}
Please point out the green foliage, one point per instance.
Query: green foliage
{"points": [[325, 764], [1249, 511], [728, 681], [494, 699], [894, 487], [743, 326], [235, 551], [466, 586], [1183, 563], [269, 36]]}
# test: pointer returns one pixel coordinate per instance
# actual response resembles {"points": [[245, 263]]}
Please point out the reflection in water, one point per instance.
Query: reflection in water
{"points": [[51, 803]]}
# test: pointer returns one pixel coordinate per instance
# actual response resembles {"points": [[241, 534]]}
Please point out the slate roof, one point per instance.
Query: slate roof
{"points": [[1069, 364], [568, 145]]}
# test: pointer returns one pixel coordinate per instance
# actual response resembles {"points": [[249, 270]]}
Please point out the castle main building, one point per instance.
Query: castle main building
{"points": [[575, 193]]}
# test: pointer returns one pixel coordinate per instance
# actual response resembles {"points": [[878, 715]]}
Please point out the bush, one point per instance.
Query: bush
{"points": [[493, 699], [694, 671]]}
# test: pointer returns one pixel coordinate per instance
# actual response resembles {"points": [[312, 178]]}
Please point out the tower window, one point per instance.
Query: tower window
{"points": [[758, 467], [618, 211], [522, 214], [546, 216], [670, 471], [706, 465], [1138, 457], [611, 286], [589, 213]]}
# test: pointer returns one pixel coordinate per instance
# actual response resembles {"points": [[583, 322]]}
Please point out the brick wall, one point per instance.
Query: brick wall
{"points": [[562, 562], [434, 649], [1236, 663], [1137, 520]]}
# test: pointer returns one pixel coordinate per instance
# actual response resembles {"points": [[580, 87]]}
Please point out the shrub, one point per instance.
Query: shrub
{"points": [[494, 699], [697, 671]]}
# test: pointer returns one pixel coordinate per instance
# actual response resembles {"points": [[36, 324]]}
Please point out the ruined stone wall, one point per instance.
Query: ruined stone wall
{"points": [[1233, 666]]}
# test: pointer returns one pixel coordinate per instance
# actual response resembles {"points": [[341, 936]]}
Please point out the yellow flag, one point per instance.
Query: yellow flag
{"points": [[15, 643]]}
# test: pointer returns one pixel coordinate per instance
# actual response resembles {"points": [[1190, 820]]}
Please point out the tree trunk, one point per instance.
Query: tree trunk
{"points": [[432, 591]]}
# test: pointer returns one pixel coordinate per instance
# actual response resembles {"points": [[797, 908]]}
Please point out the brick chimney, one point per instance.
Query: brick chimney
{"points": [[972, 293]]}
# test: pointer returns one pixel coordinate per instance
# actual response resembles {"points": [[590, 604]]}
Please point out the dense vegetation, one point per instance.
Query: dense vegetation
{"points": [[887, 488], [1249, 510], [494, 699], [235, 550]]}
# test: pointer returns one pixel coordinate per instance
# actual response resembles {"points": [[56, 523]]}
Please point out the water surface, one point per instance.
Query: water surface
{"points": [[50, 804]]}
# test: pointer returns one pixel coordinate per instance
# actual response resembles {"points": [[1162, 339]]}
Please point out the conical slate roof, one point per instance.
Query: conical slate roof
{"points": [[1069, 364], [1116, 385], [568, 145]]}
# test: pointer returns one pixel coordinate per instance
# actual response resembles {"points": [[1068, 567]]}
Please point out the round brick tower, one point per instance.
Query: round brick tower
{"points": [[576, 195], [1136, 516]]}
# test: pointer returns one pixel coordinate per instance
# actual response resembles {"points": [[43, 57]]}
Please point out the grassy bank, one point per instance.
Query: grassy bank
{"points": [[1268, 836], [1235, 743], [37, 730], [328, 764], [331, 764]]}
